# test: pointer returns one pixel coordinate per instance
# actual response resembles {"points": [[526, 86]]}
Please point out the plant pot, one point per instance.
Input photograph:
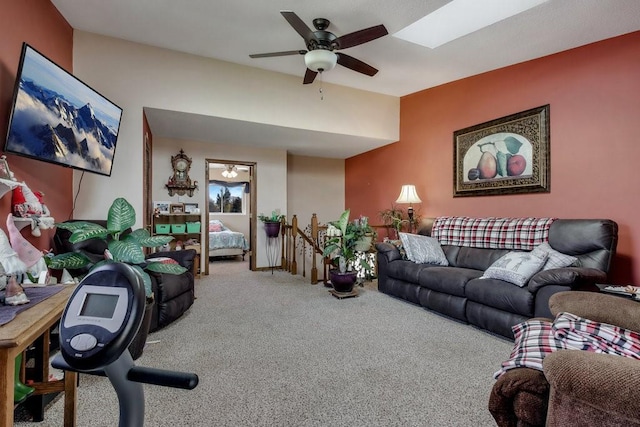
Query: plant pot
{"points": [[363, 244], [272, 229], [343, 282]]}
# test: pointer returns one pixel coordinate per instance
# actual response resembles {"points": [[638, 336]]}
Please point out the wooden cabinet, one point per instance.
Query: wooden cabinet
{"points": [[185, 228]]}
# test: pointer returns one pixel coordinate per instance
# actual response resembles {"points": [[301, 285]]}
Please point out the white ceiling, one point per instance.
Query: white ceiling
{"points": [[231, 30]]}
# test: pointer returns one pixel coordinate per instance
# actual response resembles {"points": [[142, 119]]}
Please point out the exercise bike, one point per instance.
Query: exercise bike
{"points": [[99, 322]]}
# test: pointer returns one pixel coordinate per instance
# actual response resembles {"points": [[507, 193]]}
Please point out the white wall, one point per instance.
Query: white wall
{"points": [[315, 185], [135, 76], [271, 172]]}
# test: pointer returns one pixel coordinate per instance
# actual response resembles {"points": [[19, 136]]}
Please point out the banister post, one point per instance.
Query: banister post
{"points": [[285, 246], [294, 234], [314, 237]]}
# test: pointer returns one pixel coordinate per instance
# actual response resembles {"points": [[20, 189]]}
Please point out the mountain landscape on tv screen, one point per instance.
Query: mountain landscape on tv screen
{"points": [[47, 126]]}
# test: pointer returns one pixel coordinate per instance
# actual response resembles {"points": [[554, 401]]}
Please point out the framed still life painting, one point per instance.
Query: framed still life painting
{"points": [[509, 155]]}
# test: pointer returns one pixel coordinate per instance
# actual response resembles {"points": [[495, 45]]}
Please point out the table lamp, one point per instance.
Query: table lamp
{"points": [[408, 195]]}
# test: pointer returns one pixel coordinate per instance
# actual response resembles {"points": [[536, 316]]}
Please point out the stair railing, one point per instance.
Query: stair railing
{"points": [[297, 242]]}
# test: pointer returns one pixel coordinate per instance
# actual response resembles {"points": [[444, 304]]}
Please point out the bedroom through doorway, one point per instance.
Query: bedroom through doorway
{"points": [[231, 201]]}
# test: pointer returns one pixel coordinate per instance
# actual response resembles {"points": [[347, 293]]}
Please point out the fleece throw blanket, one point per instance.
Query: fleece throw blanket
{"points": [[534, 339], [493, 233]]}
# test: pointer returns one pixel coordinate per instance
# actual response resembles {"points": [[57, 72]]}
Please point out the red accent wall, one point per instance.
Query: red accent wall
{"points": [[594, 96], [38, 23]]}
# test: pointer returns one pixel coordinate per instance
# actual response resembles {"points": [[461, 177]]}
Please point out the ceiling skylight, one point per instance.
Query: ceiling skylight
{"points": [[461, 17]]}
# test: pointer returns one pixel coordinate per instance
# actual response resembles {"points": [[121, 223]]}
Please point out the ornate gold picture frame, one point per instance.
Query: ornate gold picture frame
{"points": [[509, 155]]}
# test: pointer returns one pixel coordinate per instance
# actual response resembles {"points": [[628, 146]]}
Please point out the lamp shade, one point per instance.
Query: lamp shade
{"points": [[408, 195], [320, 60]]}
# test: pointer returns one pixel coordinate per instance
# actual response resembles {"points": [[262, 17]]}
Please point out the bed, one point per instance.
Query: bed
{"points": [[225, 242]]}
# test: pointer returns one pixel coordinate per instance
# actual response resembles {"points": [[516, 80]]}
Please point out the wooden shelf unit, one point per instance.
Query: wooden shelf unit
{"points": [[171, 219]]}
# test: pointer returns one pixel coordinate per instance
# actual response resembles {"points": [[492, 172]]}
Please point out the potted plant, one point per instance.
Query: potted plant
{"points": [[363, 244], [341, 249], [271, 223], [122, 247], [394, 218]]}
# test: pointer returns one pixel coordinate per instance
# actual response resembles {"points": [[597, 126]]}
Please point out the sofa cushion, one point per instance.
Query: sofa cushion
{"points": [[423, 249], [516, 267], [501, 295], [555, 259], [449, 280], [477, 258], [408, 271]]}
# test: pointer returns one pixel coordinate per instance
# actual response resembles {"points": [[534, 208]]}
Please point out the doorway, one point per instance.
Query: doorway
{"points": [[231, 202]]}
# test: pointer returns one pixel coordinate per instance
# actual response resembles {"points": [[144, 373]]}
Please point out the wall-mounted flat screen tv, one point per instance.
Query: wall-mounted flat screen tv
{"points": [[57, 118]]}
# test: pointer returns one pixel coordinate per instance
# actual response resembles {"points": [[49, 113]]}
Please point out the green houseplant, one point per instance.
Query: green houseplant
{"points": [[271, 223], [396, 218], [123, 247], [363, 244], [340, 247]]}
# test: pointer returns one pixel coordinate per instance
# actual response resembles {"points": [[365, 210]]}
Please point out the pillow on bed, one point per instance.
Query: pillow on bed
{"points": [[216, 225]]}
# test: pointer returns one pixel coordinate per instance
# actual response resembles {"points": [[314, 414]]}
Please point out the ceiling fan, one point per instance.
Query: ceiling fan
{"points": [[321, 45]]}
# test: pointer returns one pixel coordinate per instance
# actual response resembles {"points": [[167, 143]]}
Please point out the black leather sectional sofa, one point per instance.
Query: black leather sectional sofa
{"points": [[173, 293], [492, 304]]}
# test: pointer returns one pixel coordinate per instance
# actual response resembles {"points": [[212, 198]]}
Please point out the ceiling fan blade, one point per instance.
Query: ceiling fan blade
{"points": [[355, 64], [362, 36], [284, 53], [299, 25], [309, 76]]}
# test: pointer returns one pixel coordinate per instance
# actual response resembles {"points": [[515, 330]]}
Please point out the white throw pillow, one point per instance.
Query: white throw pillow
{"points": [[423, 249], [516, 267], [555, 259]]}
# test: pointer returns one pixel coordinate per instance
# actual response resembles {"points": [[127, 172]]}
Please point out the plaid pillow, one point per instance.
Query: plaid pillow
{"points": [[534, 339], [492, 233]]}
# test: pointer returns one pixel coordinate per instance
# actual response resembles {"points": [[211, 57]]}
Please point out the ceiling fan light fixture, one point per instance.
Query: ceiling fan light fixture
{"points": [[320, 60], [230, 171]]}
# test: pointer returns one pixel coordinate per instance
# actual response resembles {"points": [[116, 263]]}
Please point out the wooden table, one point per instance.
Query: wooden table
{"points": [[16, 336]]}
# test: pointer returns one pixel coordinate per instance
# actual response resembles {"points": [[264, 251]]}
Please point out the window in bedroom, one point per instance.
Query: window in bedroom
{"points": [[227, 197]]}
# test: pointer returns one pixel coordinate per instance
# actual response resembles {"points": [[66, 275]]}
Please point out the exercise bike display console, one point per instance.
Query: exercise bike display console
{"points": [[101, 319]]}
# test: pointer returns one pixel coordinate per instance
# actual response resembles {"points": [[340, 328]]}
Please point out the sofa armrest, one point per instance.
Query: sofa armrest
{"points": [[606, 383], [519, 397], [185, 257], [599, 307], [574, 277], [389, 251]]}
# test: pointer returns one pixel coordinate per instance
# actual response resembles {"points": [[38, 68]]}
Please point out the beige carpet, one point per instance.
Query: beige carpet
{"points": [[273, 350]]}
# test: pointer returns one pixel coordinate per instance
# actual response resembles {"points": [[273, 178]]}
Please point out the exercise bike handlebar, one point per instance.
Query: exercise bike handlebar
{"points": [[162, 377], [141, 374]]}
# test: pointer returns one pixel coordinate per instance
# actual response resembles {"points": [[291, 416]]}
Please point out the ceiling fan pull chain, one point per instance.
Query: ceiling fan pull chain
{"points": [[320, 90]]}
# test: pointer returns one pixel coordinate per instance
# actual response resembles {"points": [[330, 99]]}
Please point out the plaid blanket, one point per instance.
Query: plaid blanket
{"points": [[596, 337], [534, 339], [492, 233]]}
